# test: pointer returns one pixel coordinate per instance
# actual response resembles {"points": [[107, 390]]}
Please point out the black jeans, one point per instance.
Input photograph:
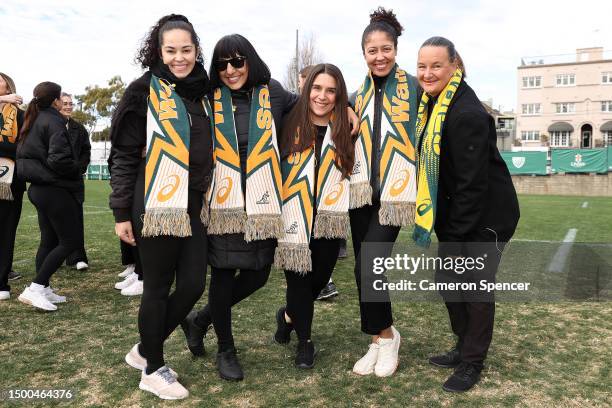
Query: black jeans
{"points": [[303, 289], [79, 255], [10, 212], [365, 227], [58, 221]]}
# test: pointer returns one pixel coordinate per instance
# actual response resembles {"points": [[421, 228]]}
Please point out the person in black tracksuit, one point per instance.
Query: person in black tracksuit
{"points": [[477, 210], [82, 148], [10, 210], [324, 85], [229, 253], [165, 259], [46, 159]]}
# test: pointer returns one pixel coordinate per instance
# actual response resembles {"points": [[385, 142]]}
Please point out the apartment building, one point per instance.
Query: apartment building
{"points": [[565, 104]]}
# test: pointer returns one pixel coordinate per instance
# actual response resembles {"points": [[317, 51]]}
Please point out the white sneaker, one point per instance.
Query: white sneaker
{"points": [[37, 299], [388, 355], [5, 295], [365, 365], [136, 360], [126, 282], [128, 271], [80, 266], [135, 289], [52, 296], [163, 384]]}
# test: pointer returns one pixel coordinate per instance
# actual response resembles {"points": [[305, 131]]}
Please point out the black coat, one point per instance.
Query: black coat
{"points": [[231, 251], [46, 155], [476, 198], [79, 139]]}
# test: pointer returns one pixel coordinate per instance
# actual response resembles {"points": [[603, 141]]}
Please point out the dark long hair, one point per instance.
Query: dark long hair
{"points": [[233, 45], [385, 21], [45, 94], [149, 53], [299, 118], [453, 55]]}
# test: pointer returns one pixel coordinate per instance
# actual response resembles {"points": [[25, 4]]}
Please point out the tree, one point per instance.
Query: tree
{"points": [[307, 54], [101, 136], [98, 103]]}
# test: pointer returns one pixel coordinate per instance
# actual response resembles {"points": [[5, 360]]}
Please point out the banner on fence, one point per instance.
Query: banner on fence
{"points": [[609, 158], [98, 172], [579, 160], [525, 162]]}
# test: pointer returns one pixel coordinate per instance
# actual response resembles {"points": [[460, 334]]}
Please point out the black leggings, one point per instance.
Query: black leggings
{"points": [[10, 211], [303, 289], [79, 255], [365, 227], [58, 221], [227, 289]]}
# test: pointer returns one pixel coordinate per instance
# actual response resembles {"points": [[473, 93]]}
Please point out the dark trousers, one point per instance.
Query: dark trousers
{"points": [[79, 255], [59, 236], [227, 289], [375, 316], [129, 256], [303, 289], [10, 212]]}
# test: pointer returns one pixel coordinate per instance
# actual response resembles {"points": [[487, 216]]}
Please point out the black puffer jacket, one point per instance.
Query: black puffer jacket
{"points": [[231, 251], [79, 138], [46, 155]]}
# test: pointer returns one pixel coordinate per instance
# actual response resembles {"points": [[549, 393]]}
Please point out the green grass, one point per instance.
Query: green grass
{"points": [[543, 354]]}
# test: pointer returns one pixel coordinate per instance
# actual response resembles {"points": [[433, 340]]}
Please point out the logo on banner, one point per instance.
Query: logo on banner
{"points": [[518, 162], [265, 198], [292, 228], [578, 163]]}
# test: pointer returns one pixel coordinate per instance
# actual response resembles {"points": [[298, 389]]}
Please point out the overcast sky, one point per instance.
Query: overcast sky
{"points": [[80, 43]]}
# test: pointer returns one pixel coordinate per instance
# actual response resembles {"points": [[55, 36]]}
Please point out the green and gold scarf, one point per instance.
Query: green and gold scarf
{"points": [[429, 159], [397, 153], [8, 134], [257, 213]]}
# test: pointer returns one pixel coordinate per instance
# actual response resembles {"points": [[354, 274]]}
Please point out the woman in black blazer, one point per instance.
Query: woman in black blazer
{"points": [[476, 211]]}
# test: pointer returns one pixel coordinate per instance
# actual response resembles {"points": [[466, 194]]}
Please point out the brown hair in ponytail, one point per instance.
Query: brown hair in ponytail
{"points": [[45, 94], [385, 21]]}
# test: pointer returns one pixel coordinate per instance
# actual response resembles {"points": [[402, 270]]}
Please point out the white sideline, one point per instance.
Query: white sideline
{"points": [[558, 261]]}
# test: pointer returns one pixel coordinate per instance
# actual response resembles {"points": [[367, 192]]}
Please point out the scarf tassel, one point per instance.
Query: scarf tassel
{"points": [[293, 257], [399, 214], [205, 213], [5, 192], [263, 226], [361, 195], [331, 225], [226, 221], [166, 221]]}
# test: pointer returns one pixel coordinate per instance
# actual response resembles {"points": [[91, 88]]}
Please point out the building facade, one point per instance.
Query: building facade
{"points": [[566, 104]]}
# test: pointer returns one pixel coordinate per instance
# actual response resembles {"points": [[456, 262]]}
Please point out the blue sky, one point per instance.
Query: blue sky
{"points": [[80, 43]]}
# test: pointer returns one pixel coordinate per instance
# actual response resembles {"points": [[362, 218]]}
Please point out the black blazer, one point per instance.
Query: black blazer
{"points": [[476, 198]]}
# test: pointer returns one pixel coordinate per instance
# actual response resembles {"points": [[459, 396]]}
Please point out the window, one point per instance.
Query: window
{"points": [[530, 135], [606, 106], [607, 137], [566, 79], [565, 107], [532, 82], [606, 78], [531, 109], [560, 139]]}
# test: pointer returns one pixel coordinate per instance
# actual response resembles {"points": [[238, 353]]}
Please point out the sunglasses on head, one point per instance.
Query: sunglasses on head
{"points": [[237, 62]]}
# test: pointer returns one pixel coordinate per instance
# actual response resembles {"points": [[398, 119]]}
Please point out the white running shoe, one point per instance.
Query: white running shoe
{"points": [[126, 282], [137, 361], [5, 295], [135, 289], [163, 384], [128, 271], [388, 355], [365, 365], [37, 299], [81, 266], [52, 296]]}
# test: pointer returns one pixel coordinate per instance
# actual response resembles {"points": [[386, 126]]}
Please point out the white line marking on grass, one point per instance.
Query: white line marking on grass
{"points": [[558, 261], [84, 213], [585, 204], [101, 207]]}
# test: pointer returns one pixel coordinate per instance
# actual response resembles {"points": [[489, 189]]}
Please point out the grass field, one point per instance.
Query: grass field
{"points": [[543, 354]]}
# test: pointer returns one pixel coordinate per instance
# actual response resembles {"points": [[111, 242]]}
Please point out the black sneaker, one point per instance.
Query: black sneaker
{"points": [[328, 291], [229, 366], [466, 375], [305, 354], [450, 359], [194, 334], [342, 252], [12, 275], [283, 329]]}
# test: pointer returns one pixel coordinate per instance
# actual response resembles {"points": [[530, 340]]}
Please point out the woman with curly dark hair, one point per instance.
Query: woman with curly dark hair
{"points": [[160, 166]]}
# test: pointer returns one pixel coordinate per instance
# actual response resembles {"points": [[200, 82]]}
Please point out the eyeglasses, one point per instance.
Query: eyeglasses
{"points": [[237, 62]]}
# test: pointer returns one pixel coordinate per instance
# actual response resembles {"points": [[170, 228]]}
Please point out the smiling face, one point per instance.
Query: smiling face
{"points": [[3, 87], [67, 106], [234, 78], [178, 52], [434, 69], [322, 99], [380, 53]]}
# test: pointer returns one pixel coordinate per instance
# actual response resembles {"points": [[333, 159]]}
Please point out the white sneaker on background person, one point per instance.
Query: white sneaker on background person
{"points": [[5, 295], [126, 282], [137, 361], [365, 365], [388, 355], [135, 289], [34, 295], [52, 296], [163, 384], [127, 271], [81, 266]]}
